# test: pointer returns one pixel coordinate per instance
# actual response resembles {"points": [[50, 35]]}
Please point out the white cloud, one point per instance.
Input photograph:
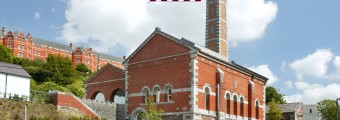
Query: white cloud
{"points": [[337, 64], [315, 93], [265, 71], [248, 19], [36, 16], [109, 23], [288, 84], [301, 85], [314, 64], [293, 98]]}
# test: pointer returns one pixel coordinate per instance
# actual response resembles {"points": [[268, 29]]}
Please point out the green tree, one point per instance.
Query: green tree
{"points": [[6, 54], [62, 69], [40, 75], [273, 94], [327, 108], [152, 113], [82, 68], [274, 113]]}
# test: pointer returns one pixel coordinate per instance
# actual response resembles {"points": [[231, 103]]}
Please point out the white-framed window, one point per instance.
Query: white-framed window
{"points": [[78, 60], [88, 61], [19, 54], [145, 93], [228, 103], [22, 47], [168, 90], [19, 47], [39, 53], [157, 92], [257, 110], [242, 106], [207, 98], [235, 104], [23, 55]]}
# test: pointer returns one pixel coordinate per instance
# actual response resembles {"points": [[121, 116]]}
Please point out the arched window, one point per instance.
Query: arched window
{"points": [[228, 103], [235, 105], [98, 96], [157, 92], [118, 96], [257, 105], [145, 95], [168, 91], [207, 98], [242, 106]]}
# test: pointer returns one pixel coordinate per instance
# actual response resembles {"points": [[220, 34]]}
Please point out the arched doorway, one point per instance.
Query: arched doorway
{"points": [[99, 96], [118, 96], [139, 115]]}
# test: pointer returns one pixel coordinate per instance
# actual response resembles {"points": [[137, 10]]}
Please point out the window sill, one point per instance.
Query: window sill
{"points": [[159, 103]]}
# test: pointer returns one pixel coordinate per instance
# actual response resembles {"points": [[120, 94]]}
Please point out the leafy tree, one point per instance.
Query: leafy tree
{"points": [[327, 108], [62, 69], [274, 113], [38, 74], [273, 94], [82, 68], [152, 111], [6, 54]]}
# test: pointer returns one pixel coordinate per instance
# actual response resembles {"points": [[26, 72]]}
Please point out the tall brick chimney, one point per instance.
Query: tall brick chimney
{"points": [[216, 26]]}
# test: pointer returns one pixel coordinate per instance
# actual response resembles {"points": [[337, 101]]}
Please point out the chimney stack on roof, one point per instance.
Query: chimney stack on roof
{"points": [[3, 29]]}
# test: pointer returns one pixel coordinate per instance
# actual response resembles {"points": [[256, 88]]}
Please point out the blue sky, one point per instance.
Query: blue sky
{"points": [[293, 42]]}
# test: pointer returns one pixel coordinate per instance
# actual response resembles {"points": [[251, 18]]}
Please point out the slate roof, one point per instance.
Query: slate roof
{"points": [[310, 112], [200, 49], [47, 43], [13, 69], [68, 48], [286, 108], [110, 57]]}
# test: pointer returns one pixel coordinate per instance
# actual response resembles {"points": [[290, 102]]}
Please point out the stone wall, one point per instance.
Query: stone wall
{"points": [[106, 110]]}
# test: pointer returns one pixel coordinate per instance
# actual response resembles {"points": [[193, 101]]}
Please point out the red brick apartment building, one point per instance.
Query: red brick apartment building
{"points": [[31, 48], [188, 81]]}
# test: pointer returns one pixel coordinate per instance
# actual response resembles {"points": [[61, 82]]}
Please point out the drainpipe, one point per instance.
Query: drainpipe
{"points": [[218, 102]]}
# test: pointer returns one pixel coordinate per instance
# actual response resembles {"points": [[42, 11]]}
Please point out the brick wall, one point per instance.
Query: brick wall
{"points": [[107, 80], [207, 76], [61, 99], [160, 62]]}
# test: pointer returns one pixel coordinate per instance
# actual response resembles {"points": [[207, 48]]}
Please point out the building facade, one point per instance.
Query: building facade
{"points": [[26, 46], [190, 82], [14, 80], [187, 81]]}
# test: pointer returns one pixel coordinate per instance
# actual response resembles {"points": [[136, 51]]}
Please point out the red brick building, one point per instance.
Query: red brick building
{"points": [[191, 82], [188, 81], [26, 46]]}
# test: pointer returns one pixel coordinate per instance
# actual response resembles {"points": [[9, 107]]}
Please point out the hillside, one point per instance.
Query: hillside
{"points": [[14, 110]]}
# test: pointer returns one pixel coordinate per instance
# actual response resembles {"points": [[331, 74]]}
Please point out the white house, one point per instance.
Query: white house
{"points": [[13, 80]]}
